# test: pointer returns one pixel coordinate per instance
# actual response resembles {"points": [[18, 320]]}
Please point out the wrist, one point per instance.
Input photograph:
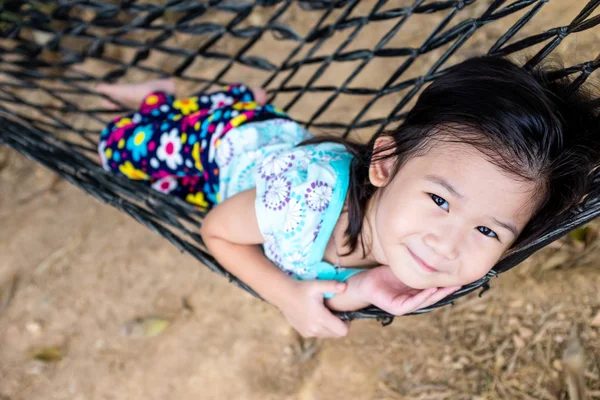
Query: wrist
{"points": [[282, 291], [351, 299]]}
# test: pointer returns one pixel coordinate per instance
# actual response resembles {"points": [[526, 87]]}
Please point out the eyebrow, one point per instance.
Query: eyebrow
{"points": [[442, 182], [510, 227]]}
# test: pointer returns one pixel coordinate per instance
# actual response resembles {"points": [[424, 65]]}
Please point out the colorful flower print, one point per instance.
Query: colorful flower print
{"points": [[131, 172], [138, 142], [275, 165], [169, 150], [220, 100], [192, 121], [196, 157], [165, 185], [186, 106], [190, 180], [277, 194], [118, 134], [152, 102], [294, 216], [226, 151], [123, 122], [318, 196], [197, 199]]}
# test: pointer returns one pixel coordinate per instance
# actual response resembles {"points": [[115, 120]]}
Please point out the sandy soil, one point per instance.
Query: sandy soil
{"points": [[84, 271]]}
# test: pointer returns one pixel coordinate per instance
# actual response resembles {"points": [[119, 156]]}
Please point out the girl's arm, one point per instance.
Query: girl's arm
{"points": [[380, 287], [231, 233]]}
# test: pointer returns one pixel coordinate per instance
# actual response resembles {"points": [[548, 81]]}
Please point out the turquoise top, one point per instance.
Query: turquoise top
{"points": [[300, 192]]}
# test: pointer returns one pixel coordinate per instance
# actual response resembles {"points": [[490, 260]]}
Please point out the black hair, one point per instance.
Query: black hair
{"points": [[534, 128]]}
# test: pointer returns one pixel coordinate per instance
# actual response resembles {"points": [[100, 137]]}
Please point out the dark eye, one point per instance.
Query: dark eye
{"points": [[443, 204], [487, 231]]}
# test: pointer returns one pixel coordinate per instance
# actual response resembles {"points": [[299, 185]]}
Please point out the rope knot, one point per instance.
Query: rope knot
{"points": [[563, 32], [588, 68]]}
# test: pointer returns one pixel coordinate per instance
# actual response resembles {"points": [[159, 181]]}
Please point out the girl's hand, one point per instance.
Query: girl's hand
{"points": [[302, 305], [380, 287]]}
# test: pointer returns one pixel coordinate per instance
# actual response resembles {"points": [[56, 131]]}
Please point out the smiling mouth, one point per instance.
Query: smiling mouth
{"points": [[422, 263]]}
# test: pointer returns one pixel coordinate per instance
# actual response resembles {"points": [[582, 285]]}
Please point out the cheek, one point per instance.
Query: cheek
{"points": [[398, 216], [477, 265]]}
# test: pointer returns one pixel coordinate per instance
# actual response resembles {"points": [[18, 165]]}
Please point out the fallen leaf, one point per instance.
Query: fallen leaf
{"points": [[47, 354], [579, 234], [7, 291], [144, 327], [519, 343], [596, 320], [582, 236]]}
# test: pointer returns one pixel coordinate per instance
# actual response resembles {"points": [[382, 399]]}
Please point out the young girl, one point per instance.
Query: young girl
{"points": [[490, 156]]}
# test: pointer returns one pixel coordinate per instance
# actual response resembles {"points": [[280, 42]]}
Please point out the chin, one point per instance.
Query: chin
{"points": [[412, 280]]}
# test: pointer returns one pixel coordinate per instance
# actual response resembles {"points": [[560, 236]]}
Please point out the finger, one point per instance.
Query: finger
{"points": [[260, 95], [439, 295], [335, 325], [405, 304], [323, 287], [330, 334], [109, 105], [345, 333], [321, 332]]}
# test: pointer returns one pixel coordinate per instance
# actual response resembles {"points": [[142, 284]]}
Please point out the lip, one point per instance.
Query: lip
{"points": [[422, 263]]}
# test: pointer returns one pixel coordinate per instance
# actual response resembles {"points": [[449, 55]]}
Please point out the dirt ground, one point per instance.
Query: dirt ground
{"points": [[82, 273]]}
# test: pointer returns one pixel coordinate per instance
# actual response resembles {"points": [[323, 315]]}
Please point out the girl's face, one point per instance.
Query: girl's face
{"points": [[446, 217]]}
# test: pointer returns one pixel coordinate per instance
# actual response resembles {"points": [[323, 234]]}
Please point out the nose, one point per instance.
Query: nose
{"points": [[445, 241]]}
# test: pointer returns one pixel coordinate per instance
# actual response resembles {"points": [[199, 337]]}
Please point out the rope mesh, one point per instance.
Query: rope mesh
{"points": [[343, 65]]}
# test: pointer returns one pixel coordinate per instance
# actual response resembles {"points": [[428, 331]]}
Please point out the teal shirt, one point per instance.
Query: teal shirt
{"points": [[300, 192]]}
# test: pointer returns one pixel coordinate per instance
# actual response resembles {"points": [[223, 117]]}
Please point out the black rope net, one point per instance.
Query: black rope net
{"points": [[344, 65]]}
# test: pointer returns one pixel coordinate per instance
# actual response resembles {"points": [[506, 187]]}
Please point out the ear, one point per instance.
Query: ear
{"points": [[380, 171]]}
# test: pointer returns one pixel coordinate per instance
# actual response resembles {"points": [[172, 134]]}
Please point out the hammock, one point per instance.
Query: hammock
{"points": [[53, 53]]}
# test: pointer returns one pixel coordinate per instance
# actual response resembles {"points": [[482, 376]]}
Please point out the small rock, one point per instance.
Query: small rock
{"points": [[557, 365], [34, 328], [525, 332], [457, 366], [144, 327], [464, 360], [559, 339], [529, 308]]}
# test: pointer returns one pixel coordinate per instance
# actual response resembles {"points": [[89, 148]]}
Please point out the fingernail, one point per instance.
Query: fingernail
{"points": [[340, 286], [433, 290]]}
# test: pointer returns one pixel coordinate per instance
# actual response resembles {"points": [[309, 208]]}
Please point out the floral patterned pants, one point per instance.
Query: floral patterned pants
{"points": [[171, 143]]}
